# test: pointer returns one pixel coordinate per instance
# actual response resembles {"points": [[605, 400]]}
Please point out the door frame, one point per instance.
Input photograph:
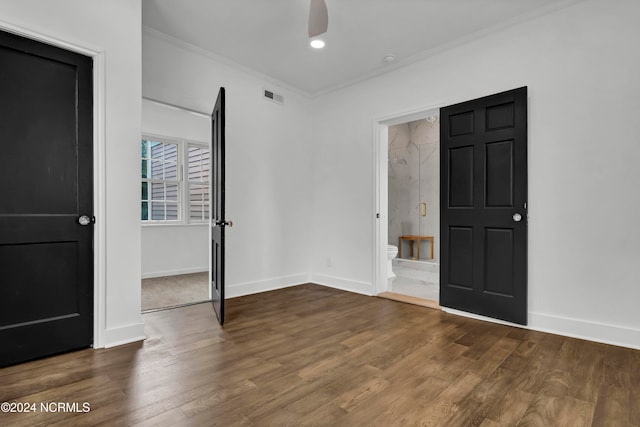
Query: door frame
{"points": [[99, 165], [381, 187]]}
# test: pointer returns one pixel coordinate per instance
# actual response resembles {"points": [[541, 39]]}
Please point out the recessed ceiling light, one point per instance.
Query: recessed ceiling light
{"points": [[389, 58], [317, 43]]}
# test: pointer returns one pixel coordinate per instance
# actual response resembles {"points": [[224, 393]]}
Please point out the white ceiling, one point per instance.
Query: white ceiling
{"points": [[270, 36]]}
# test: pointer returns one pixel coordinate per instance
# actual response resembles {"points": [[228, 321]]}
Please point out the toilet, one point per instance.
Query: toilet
{"points": [[392, 252]]}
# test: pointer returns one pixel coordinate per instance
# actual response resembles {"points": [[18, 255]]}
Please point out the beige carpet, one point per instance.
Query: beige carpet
{"points": [[170, 291]]}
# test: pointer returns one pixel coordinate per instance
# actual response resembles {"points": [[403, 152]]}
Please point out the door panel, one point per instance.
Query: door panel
{"points": [[461, 177], [31, 265], [461, 123], [499, 174], [498, 258], [483, 184], [218, 222], [46, 181], [460, 257], [49, 178]]}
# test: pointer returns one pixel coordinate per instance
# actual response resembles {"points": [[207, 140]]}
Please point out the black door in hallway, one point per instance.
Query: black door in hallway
{"points": [[218, 222], [483, 208], [46, 185]]}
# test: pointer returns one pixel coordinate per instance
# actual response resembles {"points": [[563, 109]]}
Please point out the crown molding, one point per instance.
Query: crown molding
{"points": [[152, 32], [429, 53]]}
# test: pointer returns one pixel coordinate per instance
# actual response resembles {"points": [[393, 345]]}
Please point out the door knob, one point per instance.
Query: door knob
{"points": [[517, 217], [85, 220]]}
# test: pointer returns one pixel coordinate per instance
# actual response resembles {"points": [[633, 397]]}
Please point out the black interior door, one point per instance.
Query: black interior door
{"points": [[46, 185], [483, 194], [218, 222]]}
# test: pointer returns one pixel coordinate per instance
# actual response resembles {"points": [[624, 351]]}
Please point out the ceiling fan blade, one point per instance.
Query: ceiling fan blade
{"points": [[318, 18]]}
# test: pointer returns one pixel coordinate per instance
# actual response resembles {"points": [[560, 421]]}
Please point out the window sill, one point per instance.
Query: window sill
{"points": [[172, 224]]}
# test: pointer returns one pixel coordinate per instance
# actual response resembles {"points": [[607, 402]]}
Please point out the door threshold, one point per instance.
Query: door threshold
{"points": [[410, 300], [171, 307]]}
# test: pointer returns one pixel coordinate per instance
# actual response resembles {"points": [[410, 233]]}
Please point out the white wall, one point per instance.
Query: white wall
{"points": [[174, 249], [89, 24], [168, 250], [581, 66], [268, 161]]}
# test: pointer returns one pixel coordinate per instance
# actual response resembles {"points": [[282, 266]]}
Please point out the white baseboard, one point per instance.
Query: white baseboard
{"points": [[177, 272], [248, 288], [363, 288], [587, 330], [575, 328], [124, 335]]}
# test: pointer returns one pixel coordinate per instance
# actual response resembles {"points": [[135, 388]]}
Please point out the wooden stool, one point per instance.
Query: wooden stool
{"points": [[411, 239]]}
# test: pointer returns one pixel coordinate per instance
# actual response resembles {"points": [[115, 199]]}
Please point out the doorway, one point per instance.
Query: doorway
{"points": [[397, 160], [483, 205], [174, 214], [414, 208]]}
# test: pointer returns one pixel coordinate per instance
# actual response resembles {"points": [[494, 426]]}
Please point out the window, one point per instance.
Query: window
{"points": [[198, 182], [163, 185]]}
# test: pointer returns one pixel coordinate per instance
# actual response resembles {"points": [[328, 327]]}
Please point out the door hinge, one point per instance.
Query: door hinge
{"points": [[377, 215]]}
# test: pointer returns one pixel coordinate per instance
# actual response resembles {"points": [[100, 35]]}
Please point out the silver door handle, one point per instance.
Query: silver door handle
{"points": [[517, 217], [85, 220], [218, 223]]}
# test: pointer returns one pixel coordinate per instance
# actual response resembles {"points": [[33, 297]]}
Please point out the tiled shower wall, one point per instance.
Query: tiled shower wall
{"points": [[414, 178]]}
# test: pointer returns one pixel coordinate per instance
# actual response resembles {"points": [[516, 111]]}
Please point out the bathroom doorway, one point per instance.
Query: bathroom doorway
{"points": [[414, 207], [409, 207]]}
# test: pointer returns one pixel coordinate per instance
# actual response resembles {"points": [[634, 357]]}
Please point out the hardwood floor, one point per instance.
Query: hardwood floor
{"points": [[310, 355]]}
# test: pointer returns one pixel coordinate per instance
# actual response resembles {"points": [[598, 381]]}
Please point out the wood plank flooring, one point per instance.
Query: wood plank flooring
{"points": [[311, 355]]}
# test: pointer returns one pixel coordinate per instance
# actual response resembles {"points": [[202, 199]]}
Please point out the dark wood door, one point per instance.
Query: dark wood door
{"points": [[46, 185], [483, 194], [218, 222]]}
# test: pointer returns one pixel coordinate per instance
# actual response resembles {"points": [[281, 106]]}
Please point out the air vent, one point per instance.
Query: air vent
{"points": [[272, 96]]}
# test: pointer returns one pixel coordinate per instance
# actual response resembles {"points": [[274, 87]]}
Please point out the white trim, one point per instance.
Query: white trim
{"points": [[124, 335], [380, 184], [585, 329], [155, 224], [176, 272], [99, 198], [99, 163], [181, 44], [51, 39], [173, 139], [568, 327], [177, 107], [380, 208], [248, 288], [349, 285]]}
